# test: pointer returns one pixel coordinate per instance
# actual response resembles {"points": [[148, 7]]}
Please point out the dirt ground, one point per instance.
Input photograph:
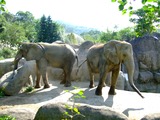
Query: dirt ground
{"points": [[129, 103]]}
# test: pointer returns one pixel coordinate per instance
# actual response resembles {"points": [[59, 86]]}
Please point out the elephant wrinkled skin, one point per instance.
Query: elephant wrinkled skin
{"points": [[55, 55], [105, 58]]}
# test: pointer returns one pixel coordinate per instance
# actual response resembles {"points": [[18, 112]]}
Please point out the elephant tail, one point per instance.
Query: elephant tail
{"points": [[80, 66], [77, 59]]}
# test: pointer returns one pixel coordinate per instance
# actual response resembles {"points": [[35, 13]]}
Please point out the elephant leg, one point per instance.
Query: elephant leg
{"points": [[67, 76], [91, 76], [45, 80], [103, 75], [64, 79], [38, 75], [114, 78], [91, 85]]}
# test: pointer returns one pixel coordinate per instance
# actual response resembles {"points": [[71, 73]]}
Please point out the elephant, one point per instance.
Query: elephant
{"points": [[108, 57], [45, 54]]}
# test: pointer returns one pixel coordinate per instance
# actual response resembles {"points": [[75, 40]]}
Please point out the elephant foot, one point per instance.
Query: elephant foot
{"points": [[62, 82], [46, 86], [104, 85], [112, 91], [91, 86], [98, 91], [67, 84], [37, 86]]}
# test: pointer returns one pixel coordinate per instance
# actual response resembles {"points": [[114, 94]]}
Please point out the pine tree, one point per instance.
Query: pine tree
{"points": [[42, 35], [49, 30]]}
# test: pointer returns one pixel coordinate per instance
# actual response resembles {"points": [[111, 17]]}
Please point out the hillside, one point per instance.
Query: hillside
{"points": [[74, 28]]}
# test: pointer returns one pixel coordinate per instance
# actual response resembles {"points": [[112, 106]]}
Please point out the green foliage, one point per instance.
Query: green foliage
{"points": [[7, 52], [2, 94], [27, 21], [7, 117], [108, 35], [145, 21], [147, 17], [92, 35], [126, 34], [49, 31], [72, 110], [29, 89], [17, 28], [2, 5]]}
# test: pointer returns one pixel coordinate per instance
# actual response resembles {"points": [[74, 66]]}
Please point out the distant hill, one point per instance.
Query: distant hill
{"points": [[74, 28]]}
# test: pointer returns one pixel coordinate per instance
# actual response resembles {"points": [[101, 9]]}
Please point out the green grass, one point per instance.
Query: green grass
{"points": [[29, 89], [7, 117], [2, 94]]}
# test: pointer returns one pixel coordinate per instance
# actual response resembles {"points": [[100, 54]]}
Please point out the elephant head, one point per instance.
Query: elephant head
{"points": [[121, 52], [30, 51]]}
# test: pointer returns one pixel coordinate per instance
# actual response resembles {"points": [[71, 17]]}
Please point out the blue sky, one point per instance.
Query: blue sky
{"points": [[101, 14]]}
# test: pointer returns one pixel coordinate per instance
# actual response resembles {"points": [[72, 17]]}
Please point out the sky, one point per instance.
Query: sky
{"points": [[100, 14]]}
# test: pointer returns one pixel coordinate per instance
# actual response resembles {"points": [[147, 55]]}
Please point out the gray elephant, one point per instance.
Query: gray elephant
{"points": [[56, 55], [105, 58]]}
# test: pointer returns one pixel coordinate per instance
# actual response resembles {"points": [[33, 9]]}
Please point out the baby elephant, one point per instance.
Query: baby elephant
{"points": [[55, 55], [105, 58]]}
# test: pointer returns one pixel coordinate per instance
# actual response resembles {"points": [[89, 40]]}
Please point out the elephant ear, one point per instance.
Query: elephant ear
{"points": [[110, 52], [35, 52]]}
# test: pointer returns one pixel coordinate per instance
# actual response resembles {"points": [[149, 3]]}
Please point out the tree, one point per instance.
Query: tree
{"points": [[149, 13], [2, 23], [26, 19], [126, 34], [2, 5], [14, 30], [42, 30], [145, 22], [49, 31], [108, 35], [92, 35], [12, 35]]}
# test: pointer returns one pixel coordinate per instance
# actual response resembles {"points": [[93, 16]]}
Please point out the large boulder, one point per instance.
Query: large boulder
{"points": [[19, 113], [6, 66], [12, 82], [72, 38], [153, 116], [147, 62], [56, 112]]}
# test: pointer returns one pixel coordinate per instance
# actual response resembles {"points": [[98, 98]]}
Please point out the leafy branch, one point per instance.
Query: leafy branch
{"points": [[73, 109]]}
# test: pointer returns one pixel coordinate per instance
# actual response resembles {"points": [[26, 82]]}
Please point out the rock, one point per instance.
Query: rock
{"points": [[6, 66], [12, 82], [157, 77], [143, 66], [153, 116], [147, 58], [56, 112], [73, 38], [82, 74], [19, 113], [145, 76]]}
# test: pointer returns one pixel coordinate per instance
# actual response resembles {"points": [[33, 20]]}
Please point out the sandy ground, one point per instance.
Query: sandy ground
{"points": [[129, 103]]}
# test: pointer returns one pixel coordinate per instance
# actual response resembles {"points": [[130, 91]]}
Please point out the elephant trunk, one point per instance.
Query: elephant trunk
{"points": [[130, 70], [16, 60]]}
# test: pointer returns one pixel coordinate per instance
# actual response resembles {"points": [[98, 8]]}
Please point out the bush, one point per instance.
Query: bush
{"points": [[7, 117], [7, 53], [2, 94]]}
